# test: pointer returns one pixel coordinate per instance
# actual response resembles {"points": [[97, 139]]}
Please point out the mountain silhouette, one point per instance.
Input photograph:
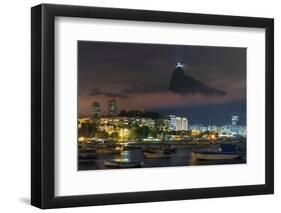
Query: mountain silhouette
{"points": [[183, 84]]}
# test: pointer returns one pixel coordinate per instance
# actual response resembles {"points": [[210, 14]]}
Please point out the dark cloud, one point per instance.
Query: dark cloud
{"points": [[126, 92], [136, 89], [97, 91]]}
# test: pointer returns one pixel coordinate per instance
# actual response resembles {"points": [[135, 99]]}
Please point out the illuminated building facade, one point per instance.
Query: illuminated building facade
{"points": [[184, 124], [181, 124], [173, 123]]}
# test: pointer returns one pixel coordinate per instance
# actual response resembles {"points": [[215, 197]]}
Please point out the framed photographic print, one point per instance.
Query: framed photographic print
{"points": [[140, 106]]}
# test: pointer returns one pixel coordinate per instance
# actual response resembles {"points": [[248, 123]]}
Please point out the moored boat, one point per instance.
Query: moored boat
{"points": [[168, 151], [108, 150], [122, 163], [130, 147], [216, 155], [155, 154], [87, 156]]}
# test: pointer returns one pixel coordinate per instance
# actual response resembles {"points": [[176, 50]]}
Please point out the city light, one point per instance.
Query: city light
{"points": [[212, 137], [123, 134], [139, 126], [81, 139]]}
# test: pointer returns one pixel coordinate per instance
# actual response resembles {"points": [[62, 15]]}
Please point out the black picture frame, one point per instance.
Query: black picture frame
{"points": [[43, 114]]}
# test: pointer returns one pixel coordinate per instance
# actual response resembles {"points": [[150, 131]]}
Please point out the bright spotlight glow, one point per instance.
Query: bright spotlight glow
{"points": [[179, 65]]}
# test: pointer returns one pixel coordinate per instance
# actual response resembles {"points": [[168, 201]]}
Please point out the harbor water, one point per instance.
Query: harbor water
{"points": [[182, 157]]}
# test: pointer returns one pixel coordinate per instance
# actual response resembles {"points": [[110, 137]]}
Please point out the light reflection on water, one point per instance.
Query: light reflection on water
{"points": [[183, 157]]}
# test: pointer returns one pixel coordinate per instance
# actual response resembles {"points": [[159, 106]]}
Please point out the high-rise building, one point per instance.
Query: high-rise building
{"points": [[112, 108], [184, 124], [234, 120], [178, 123], [95, 110], [181, 124], [173, 123]]}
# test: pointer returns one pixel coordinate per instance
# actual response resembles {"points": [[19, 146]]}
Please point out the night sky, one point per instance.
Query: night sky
{"points": [[138, 76]]}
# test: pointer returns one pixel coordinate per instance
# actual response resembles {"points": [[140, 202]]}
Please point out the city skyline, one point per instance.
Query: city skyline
{"points": [[112, 105], [152, 126]]}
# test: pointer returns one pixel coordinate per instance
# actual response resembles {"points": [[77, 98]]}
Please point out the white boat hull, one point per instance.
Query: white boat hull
{"points": [[216, 156], [116, 164]]}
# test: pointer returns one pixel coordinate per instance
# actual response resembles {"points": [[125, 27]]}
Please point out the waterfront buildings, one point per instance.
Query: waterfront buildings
{"points": [[177, 123], [198, 127], [127, 121], [150, 125], [225, 130]]}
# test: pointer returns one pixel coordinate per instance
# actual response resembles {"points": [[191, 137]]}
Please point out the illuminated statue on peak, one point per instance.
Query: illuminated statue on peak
{"points": [[179, 65]]}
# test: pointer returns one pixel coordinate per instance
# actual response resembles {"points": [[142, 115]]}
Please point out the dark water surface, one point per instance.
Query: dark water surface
{"points": [[183, 157]]}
